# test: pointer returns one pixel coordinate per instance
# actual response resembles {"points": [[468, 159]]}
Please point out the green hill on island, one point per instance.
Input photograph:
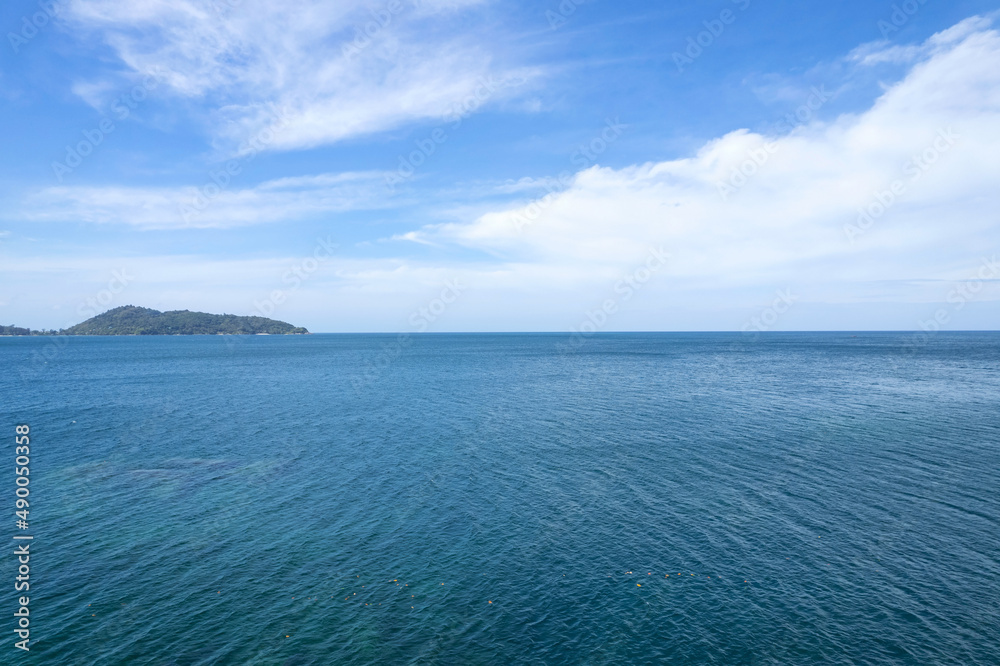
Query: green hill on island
{"points": [[15, 330], [133, 320]]}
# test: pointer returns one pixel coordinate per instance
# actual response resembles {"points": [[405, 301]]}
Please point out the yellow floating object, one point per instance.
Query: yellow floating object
{"points": [[638, 585]]}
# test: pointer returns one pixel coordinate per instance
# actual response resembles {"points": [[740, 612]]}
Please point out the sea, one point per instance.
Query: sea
{"points": [[713, 498]]}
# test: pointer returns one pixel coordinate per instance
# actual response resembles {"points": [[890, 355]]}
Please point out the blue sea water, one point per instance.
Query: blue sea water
{"points": [[498, 499]]}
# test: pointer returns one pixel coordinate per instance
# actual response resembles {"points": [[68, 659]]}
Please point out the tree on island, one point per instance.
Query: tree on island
{"points": [[134, 320]]}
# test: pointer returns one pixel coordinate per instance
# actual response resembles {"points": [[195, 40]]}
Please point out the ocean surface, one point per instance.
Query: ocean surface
{"points": [[508, 499]]}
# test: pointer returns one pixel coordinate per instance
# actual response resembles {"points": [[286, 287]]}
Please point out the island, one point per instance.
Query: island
{"points": [[134, 320]]}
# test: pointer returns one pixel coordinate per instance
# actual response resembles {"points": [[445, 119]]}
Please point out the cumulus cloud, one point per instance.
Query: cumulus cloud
{"points": [[815, 205]]}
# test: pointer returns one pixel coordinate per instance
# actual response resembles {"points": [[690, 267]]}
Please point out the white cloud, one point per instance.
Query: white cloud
{"points": [[884, 51], [787, 223], [283, 199], [338, 70]]}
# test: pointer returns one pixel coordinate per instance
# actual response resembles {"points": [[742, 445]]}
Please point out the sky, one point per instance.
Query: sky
{"points": [[468, 165]]}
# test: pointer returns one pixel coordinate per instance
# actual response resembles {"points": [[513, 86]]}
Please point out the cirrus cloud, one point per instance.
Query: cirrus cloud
{"points": [[339, 70]]}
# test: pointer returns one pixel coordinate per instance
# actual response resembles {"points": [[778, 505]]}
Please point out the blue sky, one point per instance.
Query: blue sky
{"points": [[805, 165]]}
